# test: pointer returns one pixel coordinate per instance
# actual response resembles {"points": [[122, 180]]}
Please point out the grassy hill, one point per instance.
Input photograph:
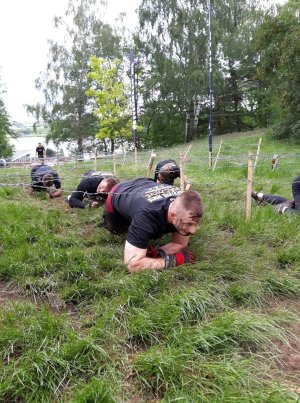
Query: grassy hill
{"points": [[76, 327]]}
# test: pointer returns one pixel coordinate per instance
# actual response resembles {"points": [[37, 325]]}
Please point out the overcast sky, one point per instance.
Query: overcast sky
{"points": [[25, 26]]}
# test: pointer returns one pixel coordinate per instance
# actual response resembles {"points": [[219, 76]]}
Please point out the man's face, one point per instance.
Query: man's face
{"points": [[185, 224]]}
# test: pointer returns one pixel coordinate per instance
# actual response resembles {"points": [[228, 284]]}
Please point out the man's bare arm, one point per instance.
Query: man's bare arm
{"points": [[56, 193], [178, 243], [136, 259]]}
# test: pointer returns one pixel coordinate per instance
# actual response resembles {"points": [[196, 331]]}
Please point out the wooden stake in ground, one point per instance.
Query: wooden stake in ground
{"points": [[186, 153], [187, 184], [181, 172], [217, 157], [135, 157], [114, 164], [76, 165], [150, 164], [124, 158], [57, 159], [249, 186], [257, 153]]}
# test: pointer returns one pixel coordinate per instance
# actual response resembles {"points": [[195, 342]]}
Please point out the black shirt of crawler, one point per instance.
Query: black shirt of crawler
{"points": [[37, 174], [86, 187], [145, 205]]}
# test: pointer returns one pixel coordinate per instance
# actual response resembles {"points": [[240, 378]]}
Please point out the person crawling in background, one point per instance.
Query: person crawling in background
{"points": [[166, 172], [93, 186], [44, 178], [282, 204]]}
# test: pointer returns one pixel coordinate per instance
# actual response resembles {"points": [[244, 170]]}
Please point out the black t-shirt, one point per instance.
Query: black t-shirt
{"points": [[37, 174], [40, 151], [145, 205], [86, 187]]}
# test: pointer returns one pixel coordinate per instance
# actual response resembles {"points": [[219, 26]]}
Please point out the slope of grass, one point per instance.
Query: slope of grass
{"points": [[83, 330]]}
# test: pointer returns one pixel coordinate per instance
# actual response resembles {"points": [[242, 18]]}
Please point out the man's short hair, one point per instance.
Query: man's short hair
{"points": [[191, 201], [48, 180]]}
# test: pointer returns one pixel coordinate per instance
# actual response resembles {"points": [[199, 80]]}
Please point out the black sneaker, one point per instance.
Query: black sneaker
{"points": [[255, 197]]}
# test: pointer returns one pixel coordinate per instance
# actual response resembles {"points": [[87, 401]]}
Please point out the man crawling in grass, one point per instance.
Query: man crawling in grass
{"points": [[149, 210], [282, 204]]}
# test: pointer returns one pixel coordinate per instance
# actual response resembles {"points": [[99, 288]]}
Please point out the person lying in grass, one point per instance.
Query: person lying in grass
{"points": [[149, 210], [94, 186], [44, 178], [166, 171], [282, 204]]}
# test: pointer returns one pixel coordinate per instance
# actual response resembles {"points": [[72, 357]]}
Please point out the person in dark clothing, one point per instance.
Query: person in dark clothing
{"points": [[282, 204], [40, 151], [43, 178], [94, 186], [166, 171], [149, 210]]}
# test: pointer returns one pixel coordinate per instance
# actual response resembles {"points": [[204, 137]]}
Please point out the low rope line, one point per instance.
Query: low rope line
{"points": [[241, 181]]}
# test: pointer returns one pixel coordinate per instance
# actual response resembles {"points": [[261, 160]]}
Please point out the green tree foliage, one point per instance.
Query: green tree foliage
{"points": [[112, 100], [173, 46], [67, 108], [278, 46], [234, 24], [5, 130]]}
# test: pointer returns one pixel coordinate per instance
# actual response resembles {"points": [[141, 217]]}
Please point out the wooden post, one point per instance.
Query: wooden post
{"points": [[249, 186], [76, 165], [187, 151], [181, 172], [150, 164], [114, 164], [135, 157], [95, 159], [124, 157], [187, 183], [217, 157], [57, 161], [257, 153]]}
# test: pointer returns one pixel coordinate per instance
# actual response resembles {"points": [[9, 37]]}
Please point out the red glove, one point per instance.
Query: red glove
{"points": [[179, 259], [155, 252]]}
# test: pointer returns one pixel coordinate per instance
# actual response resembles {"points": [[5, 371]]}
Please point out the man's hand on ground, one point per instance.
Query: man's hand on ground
{"points": [[183, 257]]}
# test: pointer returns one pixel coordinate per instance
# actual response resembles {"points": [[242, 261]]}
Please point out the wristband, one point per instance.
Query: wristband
{"points": [[170, 261]]}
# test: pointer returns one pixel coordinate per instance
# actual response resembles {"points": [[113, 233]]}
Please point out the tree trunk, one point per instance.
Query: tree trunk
{"points": [[112, 145], [80, 145]]}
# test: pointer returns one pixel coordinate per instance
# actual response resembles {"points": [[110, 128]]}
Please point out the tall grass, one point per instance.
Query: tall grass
{"points": [[83, 330]]}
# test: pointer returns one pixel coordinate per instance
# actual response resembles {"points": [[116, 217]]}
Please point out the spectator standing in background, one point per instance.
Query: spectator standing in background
{"points": [[40, 151]]}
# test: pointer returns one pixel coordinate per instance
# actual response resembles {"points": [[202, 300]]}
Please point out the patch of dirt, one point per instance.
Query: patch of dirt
{"points": [[10, 292], [288, 354], [289, 358]]}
